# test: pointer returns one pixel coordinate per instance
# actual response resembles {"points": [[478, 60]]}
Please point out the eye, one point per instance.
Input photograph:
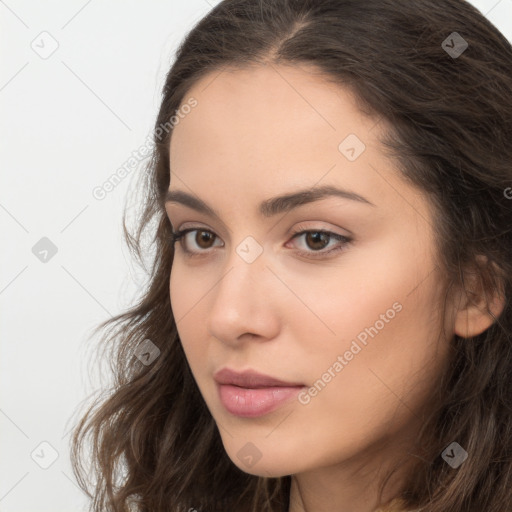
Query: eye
{"points": [[318, 240], [315, 239], [202, 239]]}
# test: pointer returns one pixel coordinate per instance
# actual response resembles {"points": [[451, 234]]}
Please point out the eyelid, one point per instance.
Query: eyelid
{"points": [[187, 225], [300, 227], [304, 226]]}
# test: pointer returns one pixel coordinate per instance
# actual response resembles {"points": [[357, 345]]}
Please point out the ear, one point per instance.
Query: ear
{"points": [[479, 303]]}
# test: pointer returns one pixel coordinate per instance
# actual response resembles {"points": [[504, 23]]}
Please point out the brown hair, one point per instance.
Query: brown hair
{"points": [[451, 133]]}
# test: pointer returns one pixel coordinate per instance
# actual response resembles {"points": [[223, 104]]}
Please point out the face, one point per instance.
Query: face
{"points": [[336, 295]]}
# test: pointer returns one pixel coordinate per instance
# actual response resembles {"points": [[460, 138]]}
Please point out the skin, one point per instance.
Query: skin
{"points": [[267, 131]]}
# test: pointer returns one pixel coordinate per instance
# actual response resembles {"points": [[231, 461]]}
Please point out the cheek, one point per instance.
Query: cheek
{"points": [[186, 292], [185, 298], [387, 326], [389, 362], [358, 294]]}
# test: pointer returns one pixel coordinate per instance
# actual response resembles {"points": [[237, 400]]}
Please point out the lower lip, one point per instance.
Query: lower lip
{"points": [[251, 403]]}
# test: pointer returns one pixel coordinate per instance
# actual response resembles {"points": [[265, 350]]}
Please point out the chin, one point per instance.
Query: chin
{"points": [[249, 459], [268, 470]]}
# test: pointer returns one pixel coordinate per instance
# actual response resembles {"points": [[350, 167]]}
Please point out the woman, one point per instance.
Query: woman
{"points": [[328, 321]]}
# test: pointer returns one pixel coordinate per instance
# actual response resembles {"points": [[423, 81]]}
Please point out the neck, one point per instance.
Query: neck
{"points": [[349, 487]]}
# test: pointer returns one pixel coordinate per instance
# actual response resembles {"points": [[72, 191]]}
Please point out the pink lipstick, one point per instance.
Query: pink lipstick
{"points": [[250, 394]]}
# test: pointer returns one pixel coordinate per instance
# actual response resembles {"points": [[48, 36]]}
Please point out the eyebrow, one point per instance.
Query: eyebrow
{"points": [[274, 205]]}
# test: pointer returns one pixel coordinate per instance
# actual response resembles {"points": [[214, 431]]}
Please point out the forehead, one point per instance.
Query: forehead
{"points": [[271, 122], [266, 99]]}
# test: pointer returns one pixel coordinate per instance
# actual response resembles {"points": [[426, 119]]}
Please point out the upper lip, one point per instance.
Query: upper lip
{"points": [[250, 379]]}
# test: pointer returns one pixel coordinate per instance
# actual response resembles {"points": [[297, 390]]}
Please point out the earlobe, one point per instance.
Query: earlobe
{"points": [[479, 306]]}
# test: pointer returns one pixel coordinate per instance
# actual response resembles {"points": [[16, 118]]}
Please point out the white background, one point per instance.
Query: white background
{"points": [[68, 122]]}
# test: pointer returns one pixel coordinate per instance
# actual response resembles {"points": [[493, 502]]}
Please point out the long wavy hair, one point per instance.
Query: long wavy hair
{"points": [[152, 443]]}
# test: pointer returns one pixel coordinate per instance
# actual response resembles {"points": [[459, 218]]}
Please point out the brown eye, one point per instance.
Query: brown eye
{"points": [[318, 243], [203, 238], [194, 245], [317, 240]]}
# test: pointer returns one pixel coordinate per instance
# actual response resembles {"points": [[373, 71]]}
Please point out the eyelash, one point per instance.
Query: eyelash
{"points": [[178, 235]]}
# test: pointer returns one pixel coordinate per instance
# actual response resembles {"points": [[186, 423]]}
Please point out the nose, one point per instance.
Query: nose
{"points": [[244, 301]]}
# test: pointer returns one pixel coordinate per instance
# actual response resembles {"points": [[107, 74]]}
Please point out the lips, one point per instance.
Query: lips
{"points": [[250, 379], [250, 394]]}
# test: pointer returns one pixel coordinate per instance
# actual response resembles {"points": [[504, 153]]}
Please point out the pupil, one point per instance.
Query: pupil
{"points": [[316, 238], [203, 236]]}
